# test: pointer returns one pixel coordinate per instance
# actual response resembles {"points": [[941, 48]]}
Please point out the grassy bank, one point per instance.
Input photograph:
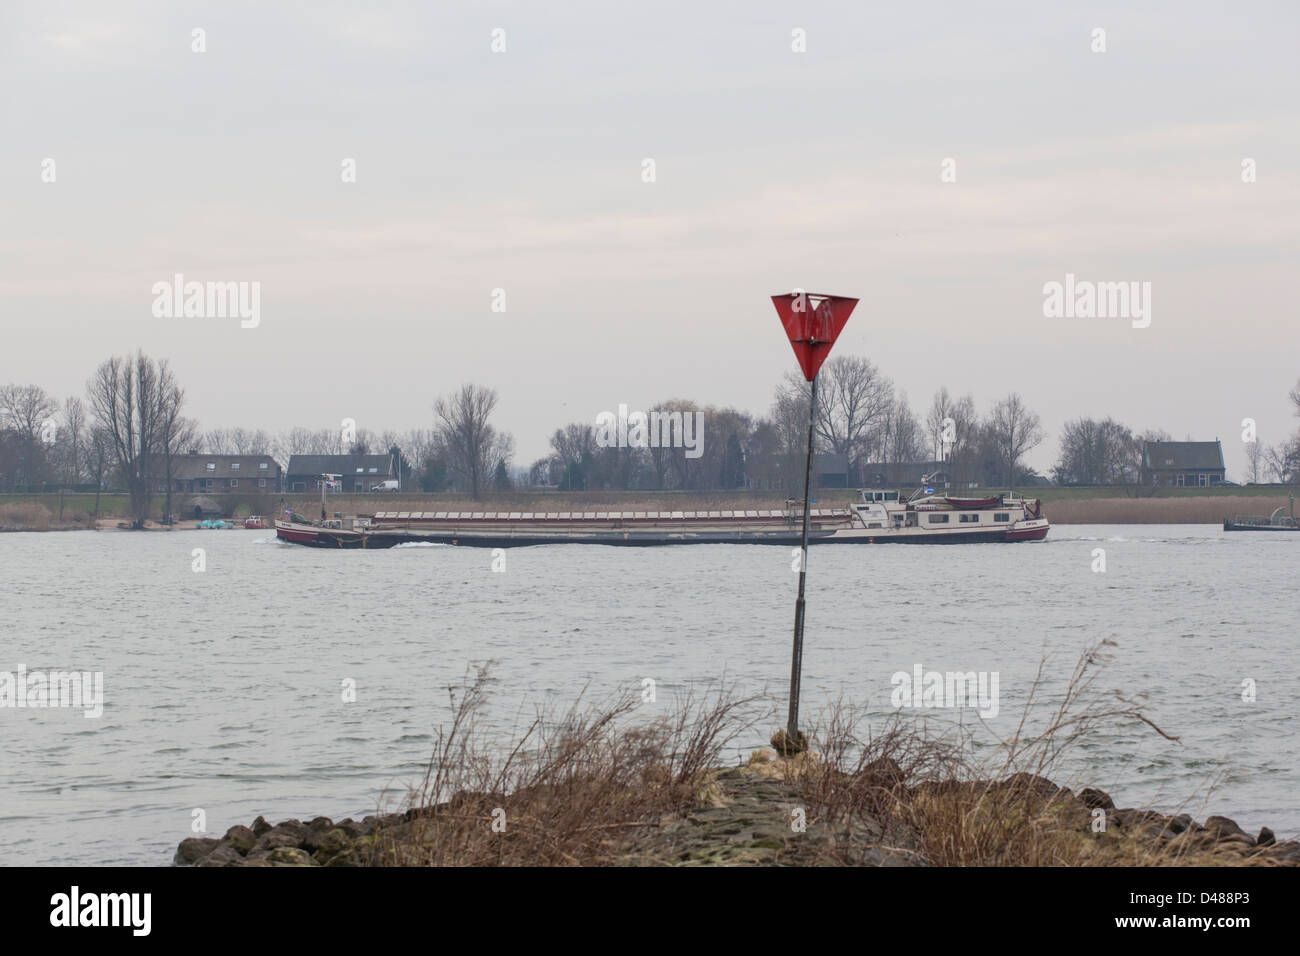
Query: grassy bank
{"points": [[1062, 505], [599, 787]]}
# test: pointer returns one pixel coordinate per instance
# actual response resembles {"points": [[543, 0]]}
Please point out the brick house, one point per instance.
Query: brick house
{"points": [[218, 474], [1196, 464]]}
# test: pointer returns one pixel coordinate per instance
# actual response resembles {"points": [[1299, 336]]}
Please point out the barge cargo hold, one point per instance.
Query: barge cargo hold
{"points": [[880, 517]]}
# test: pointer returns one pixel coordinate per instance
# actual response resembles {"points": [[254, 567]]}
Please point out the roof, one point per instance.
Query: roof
{"points": [[345, 465], [185, 467], [1179, 455]]}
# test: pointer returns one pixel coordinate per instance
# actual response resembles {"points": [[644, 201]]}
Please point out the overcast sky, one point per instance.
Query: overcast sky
{"points": [[774, 169]]}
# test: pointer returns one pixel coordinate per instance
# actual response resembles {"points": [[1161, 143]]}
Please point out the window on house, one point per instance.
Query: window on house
{"points": [[374, 471], [261, 482], [262, 466], [234, 466], [360, 470], [937, 519], [211, 466], [234, 482]]}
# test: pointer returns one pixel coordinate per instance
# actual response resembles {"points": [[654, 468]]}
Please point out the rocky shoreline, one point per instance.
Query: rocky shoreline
{"points": [[751, 816]]}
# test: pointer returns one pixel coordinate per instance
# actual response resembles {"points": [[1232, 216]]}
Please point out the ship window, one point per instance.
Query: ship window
{"points": [[891, 495], [1001, 516], [937, 519], [970, 519]]}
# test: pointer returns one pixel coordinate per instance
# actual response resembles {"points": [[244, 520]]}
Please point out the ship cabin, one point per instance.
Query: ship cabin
{"points": [[882, 508]]}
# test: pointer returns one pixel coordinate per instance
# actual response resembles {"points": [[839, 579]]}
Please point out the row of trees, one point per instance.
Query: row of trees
{"points": [[129, 429], [861, 417]]}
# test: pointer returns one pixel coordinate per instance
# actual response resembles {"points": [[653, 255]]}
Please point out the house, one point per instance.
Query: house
{"points": [[831, 470], [1197, 464], [194, 473], [357, 472]]}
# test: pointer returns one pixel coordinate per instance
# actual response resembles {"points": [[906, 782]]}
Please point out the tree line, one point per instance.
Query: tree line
{"points": [[129, 428]]}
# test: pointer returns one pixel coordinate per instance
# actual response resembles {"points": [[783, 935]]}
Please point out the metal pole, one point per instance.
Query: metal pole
{"points": [[796, 660]]}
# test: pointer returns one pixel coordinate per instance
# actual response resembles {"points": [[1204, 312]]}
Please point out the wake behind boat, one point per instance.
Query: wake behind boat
{"points": [[879, 517]]}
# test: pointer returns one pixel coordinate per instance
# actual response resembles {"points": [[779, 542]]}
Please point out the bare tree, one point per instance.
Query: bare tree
{"points": [[952, 428], [904, 436], [1255, 454], [74, 422], [1014, 430], [473, 448], [575, 450], [136, 400], [100, 455], [26, 409]]}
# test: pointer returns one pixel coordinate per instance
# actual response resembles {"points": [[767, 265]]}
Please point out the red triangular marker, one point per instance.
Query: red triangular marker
{"points": [[813, 326]]}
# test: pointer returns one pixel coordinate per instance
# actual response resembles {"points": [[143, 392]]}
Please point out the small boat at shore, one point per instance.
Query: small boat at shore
{"points": [[879, 517], [1277, 521]]}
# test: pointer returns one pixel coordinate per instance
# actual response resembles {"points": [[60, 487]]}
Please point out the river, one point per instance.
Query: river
{"points": [[224, 687]]}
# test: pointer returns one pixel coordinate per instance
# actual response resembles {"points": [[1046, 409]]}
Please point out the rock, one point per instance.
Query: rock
{"points": [[291, 856], [1224, 827], [1130, 817], [278, 837], [352, 828], [1266, 838], [331, 844], [296, 827], [222, 855], [241, 838], [1095, 799], [1182, 823], [883, 772], [357, 854], [1030, 784], [194, 849], [260, 826], [316, 832], [788, 747]]}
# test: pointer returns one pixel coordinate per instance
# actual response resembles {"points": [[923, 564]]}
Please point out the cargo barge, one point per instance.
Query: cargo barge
{"points": [[879, 517]]}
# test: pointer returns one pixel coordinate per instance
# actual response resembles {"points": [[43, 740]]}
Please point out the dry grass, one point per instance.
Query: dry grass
{"points": [[585, 788], [566, 787], [1001, 811], [24, 517], [1182, 510]]}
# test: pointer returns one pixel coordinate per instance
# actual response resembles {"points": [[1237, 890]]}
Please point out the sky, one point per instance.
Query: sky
{"points": [[523, 169]]}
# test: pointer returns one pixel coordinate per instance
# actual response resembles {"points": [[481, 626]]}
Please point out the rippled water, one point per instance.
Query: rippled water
{"points": [[222, 688]]}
